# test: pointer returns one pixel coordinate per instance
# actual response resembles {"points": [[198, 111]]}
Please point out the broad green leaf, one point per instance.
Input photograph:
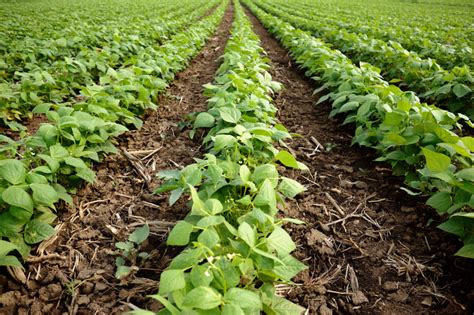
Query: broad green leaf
{"points": [[266, 196], [16, 196], [243, 298], [247, 234], [171, 280], [436, 162], [223, 141], [287, 159], [10, 261], [6, 247], [230, 114], [179, 235], [466, 174], [204, 120], [200, 276], [13, 171], [280, 241], [44, 194], [441, 201], [290, 188], [203, 298], [282, 306], [209, 238], [58, 152], [37, 231], [461, 90], [232, 309], [140, 234], [466, 251], [86, 174]]}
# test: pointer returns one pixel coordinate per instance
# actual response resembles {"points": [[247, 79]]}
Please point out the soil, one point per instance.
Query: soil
{"points": [[369, 248], [75, 273]]}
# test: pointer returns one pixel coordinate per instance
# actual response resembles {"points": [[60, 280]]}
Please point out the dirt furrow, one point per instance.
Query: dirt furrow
{"points": [[367, 244], [78, 277]]}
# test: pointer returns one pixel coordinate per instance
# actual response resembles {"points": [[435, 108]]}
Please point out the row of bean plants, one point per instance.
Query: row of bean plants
{"points": [[236, 249], [39, 171], [420, 141], [59, 76], [452, 89], [448, 41]]}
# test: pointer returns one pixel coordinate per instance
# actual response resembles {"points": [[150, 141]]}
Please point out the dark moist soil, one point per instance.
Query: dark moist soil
{"points": [[370, 247], [75, 273]]}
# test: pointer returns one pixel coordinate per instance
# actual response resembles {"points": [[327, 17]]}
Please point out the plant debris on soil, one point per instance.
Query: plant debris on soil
{"points": [[370, 248]]}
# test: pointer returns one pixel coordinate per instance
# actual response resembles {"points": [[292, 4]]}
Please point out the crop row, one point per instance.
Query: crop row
{"points": [[451, 45], [420, 141], [236, 249], [63, 80], [38, 171], [453, 89]]}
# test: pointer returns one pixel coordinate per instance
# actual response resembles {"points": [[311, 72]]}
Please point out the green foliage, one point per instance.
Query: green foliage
{"points": [[421, 142], [38, 171], [130, 251], [236, 249]]}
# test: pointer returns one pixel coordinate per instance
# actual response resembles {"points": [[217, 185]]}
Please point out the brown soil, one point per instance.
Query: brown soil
{"points": [[76, 273], [369, 247]]}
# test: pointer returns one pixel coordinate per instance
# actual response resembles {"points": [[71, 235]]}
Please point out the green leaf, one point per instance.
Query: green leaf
{"points": [[204, 120], [247, 234], [122, 271], [290, 188], [441, 201], [170, 307], [461, 90], [37, 231], [280, 241], [243, 298], [139, 235], [44, 194], [436, 162], [466, 174], [232, 309], [58, 152], [13, 171], [290, 269], [86, 174], [16, 196], [287, 159], [466, 251], [179, 235], [282, 306], [203, 298], [230, 114], [171, 280], [200, 276], [209, 238], [223, 141], [266, 196], [10, 261], [175, 195], [78, 163], [265, 171], [6, 247]]}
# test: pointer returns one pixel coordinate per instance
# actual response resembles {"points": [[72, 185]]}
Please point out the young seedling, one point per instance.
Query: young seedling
{"points": [[130, 251]]}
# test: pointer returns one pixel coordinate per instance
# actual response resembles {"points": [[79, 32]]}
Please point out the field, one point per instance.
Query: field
{"points": [[236, 157]]}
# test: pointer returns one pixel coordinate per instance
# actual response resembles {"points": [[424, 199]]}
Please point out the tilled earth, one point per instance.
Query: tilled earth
{"points": [[370, 248]]}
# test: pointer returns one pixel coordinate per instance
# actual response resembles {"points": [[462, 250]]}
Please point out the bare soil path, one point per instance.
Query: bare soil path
{"points": [[367, 244]]}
